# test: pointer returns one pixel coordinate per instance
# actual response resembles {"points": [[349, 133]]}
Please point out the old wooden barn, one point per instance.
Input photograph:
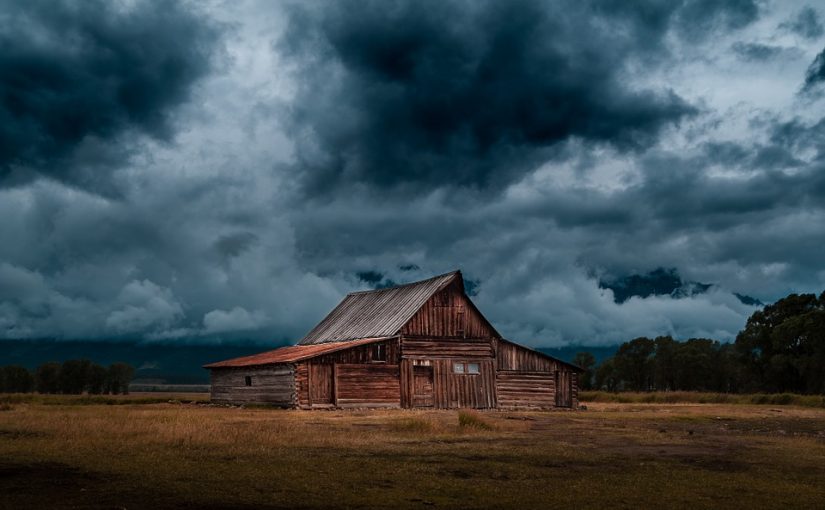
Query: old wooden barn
{"points": [[424, 344]]}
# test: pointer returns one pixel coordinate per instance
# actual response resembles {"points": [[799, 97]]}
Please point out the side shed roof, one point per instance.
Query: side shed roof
{"points": [[292, 353]]}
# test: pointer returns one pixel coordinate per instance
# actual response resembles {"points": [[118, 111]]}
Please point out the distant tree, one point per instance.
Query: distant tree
{"points": [[665, 367], [782, 347], [728, 377], [74, 376], [47, 378], [587, 362], [17, 379], [97, 379], [118, 378], [634, 364], [605, 377], [3, 380], [696, 362]]}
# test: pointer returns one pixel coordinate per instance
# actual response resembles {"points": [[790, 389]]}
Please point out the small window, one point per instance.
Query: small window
{"points": [[458, 368], [379, 352], [248, 380], [472, 368]]}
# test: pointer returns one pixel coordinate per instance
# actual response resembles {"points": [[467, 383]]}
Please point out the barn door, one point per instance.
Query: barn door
{"points": [[564, 389], [320, 384], [422, 386]]}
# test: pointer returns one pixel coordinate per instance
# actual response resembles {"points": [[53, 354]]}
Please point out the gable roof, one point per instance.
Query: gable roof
{"points": [[291, 354], [377, 313]]}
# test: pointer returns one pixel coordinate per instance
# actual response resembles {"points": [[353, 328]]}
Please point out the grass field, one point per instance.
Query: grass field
{"points": [[150, 452]]}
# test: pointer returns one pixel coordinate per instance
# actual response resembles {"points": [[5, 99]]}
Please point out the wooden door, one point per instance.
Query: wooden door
{"points": [[564, 389], [321, 389], [422, 386]]}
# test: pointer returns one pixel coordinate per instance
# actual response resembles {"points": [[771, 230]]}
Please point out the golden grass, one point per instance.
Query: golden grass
{"points": [[673, 397], [613, 455]]}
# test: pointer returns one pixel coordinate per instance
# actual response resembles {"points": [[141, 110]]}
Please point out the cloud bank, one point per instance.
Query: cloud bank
{"points": [[172, 171]]}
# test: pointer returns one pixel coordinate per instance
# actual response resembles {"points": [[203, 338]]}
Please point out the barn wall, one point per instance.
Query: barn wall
{"points": [[362, 354], [351, 378], [464, 390], [510, 356], [426, 348], [273, 384], [451, 390], [526, 389], [528, 379], [448, 314], [367, 385]]}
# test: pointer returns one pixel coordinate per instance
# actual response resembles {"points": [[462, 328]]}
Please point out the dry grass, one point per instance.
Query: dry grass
{"points": [[613, 455], [674, 397]]}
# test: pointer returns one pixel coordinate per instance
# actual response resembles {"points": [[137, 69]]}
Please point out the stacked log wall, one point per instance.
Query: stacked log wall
{"points": [[527, 379], [273, 384]]}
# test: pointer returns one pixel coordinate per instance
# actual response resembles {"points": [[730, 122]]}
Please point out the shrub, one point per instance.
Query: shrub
{"points": [[472, 420]]}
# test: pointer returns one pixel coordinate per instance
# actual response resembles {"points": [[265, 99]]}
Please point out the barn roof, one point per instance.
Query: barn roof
{"points": [[377, 313], [291, 353]]}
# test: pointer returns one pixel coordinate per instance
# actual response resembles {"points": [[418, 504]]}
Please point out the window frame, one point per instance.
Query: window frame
{"points": [[456, 365], [247, 380], [379, 353]]}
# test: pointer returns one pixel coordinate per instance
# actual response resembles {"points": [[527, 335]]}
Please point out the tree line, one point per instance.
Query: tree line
{"points": [[780, 350], [72, 377]]}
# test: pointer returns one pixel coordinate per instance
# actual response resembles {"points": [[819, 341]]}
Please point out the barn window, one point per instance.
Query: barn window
{"points": [[379, 352], [248, 380], [465, 368]]}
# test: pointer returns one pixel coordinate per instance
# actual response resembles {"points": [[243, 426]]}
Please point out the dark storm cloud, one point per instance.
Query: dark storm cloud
{"points": [[806, 23], [475, 93], [755, 52], [816, 73], [76, 75]]}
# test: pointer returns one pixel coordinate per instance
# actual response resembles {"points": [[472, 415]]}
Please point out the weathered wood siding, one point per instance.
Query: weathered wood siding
{"points": [[429, 348], [449, 389], [350, 378], [362, 354], [272, 384], [526, 389], [526, 379], [510, 356], [367, 385], [448, 314]]}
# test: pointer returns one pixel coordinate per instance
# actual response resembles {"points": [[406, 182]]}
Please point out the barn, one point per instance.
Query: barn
{"points": [[420, 345]]}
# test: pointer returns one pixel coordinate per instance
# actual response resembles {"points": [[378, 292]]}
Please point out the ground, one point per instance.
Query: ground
{"points": [[69, 452]]}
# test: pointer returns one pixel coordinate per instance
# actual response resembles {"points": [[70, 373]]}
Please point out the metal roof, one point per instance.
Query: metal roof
{"points": [[291, 353], [376, 313]]}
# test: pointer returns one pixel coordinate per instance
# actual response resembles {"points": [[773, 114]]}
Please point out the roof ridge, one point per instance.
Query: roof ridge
{"points": [[457, 271]]}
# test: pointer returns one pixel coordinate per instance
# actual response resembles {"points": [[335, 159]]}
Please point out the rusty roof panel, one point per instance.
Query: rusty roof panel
{"points": [[292, 353], [376, 313]]}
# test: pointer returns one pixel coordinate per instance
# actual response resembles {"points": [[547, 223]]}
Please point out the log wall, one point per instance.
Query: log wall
{"points": [[367, 385], [527, 379], [272, 384], [526, 389]]}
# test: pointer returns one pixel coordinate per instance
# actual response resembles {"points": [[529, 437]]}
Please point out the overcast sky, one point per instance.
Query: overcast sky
{"points": [[229, 170]]}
